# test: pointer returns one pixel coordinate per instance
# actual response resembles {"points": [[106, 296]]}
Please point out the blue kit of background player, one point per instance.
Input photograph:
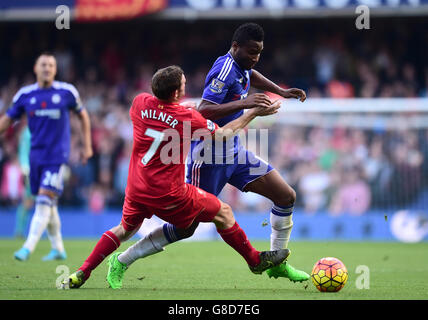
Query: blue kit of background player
{"points": [[47, 111], [46, 105]]}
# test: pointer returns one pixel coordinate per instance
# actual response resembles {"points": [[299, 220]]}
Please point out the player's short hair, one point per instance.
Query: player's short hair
{"points": [[165, 81], [247, 32], [44, 53]]}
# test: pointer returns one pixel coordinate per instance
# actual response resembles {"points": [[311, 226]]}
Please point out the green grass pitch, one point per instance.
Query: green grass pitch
{"points": [[212, 270]]}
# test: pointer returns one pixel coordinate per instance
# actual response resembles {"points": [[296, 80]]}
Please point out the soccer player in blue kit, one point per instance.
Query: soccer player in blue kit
{"points": [[46, 104], [224, 99]]}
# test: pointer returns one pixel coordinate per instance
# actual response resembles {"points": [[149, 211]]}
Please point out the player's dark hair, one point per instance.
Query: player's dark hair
{"points": [[165, 81], [44, 53], [247, 32]]}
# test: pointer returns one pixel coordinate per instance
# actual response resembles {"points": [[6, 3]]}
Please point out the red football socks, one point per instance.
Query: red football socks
{"points": [[106, 245], [237, 239]]}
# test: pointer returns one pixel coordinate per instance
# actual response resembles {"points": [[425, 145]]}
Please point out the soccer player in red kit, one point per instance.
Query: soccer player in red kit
{"points": [[156, 184]]}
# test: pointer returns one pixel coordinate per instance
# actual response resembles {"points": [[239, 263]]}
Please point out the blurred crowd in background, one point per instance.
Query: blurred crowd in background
{"points": [[346, 170], [339, 170]]}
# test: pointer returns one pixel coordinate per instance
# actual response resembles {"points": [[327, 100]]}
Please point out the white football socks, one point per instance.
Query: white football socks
{"points": [[152, 243], [54, 230], [39, 221], [281, 221]]}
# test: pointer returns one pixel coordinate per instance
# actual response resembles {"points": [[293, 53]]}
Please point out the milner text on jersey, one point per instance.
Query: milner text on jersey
{"points": [[161, 116]]}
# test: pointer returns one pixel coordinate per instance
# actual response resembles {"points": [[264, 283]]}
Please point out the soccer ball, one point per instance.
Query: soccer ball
{"points": [[329, 275]]}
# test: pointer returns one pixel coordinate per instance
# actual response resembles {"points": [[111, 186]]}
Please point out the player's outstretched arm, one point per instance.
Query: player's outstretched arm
{"points": [[87, 140], [232, 128], [5, 123], [260, 82], [214, 111]]}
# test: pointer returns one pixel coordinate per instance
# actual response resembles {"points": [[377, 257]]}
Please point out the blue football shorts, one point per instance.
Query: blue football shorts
{"points": [[47, 176], [246, 167]]}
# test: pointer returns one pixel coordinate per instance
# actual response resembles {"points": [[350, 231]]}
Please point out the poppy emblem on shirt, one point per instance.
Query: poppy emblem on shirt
{"points": [[210, 125], [44, 104]]}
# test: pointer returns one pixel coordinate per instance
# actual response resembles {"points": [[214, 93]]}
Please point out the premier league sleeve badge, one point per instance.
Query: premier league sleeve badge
{"points": [[216, 86]]}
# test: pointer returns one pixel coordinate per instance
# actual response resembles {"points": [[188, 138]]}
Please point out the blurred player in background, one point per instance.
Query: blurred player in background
{"points": [[46, 104], [224, 99], [27, 201], [156, 184]]}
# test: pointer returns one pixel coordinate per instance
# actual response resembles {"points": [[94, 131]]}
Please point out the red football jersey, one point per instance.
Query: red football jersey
{"points": [[162, 135]]}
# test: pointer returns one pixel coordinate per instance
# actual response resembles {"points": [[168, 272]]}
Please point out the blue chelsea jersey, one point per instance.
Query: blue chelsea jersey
{"points": [[226, 82], [47, 111]]}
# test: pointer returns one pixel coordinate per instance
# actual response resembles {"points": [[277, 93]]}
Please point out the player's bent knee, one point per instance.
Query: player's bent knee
{"points": [[51, 194], [287, 198], [292, 196], [224, 218], [121, 233]]}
